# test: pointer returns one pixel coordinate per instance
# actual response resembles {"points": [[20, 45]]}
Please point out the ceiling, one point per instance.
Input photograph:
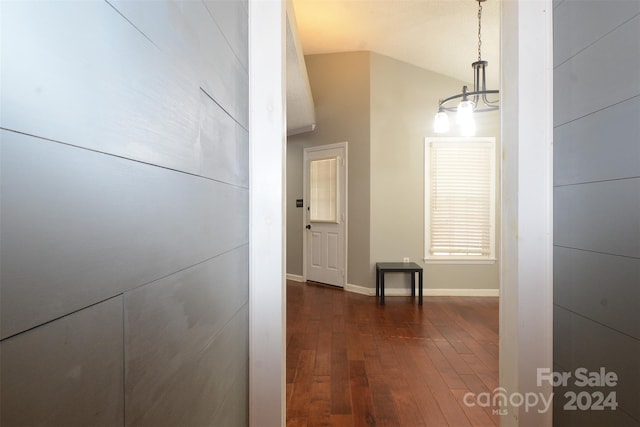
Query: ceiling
{"points": [[437, 35]]}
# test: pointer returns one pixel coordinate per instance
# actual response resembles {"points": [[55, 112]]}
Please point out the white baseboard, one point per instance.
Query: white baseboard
{"points": [[461, 292], [403, 292], [362, 290], [295, 278]]}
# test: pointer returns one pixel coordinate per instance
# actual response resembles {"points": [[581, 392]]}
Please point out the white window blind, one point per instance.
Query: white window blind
{"points": [[460, 198]]}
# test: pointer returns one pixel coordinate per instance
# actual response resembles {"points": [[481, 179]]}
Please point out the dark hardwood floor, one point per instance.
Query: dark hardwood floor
{"points": [[352, 362]]}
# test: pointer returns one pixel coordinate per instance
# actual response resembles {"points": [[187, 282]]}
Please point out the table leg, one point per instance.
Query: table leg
{"points": [[382, 288], [377, 281], [420, 287], [413, 284]]}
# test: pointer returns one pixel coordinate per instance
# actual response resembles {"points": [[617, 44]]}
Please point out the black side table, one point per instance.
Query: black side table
{"points": [[398, 267]]}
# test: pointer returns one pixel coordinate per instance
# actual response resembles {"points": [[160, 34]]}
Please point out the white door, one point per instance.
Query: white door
{"points": [[325, 216]]}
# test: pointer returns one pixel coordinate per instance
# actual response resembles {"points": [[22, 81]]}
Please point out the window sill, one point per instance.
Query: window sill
{"points": [[459, 261]]}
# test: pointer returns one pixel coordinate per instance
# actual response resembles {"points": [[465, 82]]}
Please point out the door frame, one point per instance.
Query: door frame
{"points": [[267, 213], [344, 187], [526, 302], [526, 179]]}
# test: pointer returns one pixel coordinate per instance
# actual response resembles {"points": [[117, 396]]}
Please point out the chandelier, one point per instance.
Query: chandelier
{"points": [[475, 101]]}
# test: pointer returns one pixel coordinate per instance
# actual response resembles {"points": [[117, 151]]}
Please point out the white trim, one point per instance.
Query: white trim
{"points": [[267, 219], [526, 260], [459, 261], [357, 289], [327, 146], [295, 277], [427, 292], [460, 292], [303, 129]]}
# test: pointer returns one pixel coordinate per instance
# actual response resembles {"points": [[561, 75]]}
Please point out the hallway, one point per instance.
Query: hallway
{"points": [[351, 362]]}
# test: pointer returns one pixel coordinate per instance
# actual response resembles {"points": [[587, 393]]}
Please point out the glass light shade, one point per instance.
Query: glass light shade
{"points": [[441, 123], [465, 112], [468, 128]]}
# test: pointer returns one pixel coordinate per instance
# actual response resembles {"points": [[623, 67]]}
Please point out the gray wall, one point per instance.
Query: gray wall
{"points": [[124, 213], [340, 86], [597, 201], [404, 100]]}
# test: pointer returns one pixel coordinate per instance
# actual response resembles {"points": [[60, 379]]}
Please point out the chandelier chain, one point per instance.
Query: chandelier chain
{"points": [[479, 30], [478, 98]]}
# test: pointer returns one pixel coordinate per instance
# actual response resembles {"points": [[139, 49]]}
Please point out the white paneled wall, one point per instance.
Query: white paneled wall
{"points": [[87, 226], [597, 200], [175, 319], [599, 149], [124, 213], [611, 62], [67, 372]]}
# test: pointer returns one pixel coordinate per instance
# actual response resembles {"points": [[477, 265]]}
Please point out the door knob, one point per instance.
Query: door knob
{"points": [[308, 227]]}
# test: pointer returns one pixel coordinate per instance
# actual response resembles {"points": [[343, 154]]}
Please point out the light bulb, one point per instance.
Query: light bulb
{"points": [[441, 123], [465, 112]]}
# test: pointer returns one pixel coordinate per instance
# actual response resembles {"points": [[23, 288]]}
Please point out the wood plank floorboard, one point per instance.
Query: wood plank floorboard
{"points": [[351, 362]]}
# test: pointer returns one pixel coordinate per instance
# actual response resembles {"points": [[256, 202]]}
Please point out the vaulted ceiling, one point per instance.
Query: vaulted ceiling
{"points": [[437, 35]]}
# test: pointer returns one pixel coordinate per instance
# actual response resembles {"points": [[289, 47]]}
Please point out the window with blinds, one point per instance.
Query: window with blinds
{"points": [[460, 199]]}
